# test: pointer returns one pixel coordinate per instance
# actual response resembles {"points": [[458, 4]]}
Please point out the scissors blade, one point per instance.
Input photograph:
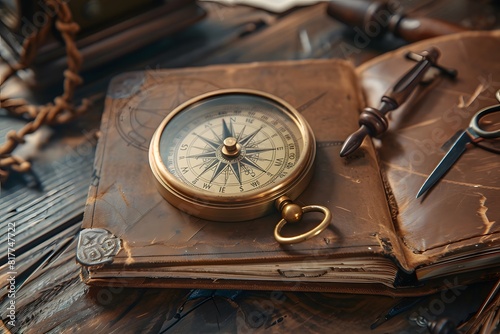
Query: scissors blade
{"points": [[445, 164]]}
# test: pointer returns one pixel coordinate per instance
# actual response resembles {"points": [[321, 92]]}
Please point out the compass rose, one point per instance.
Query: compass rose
{"points": [[231, 152]]}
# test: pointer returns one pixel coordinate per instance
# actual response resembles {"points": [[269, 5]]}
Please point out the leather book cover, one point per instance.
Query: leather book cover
{"points": [[150, 238]]}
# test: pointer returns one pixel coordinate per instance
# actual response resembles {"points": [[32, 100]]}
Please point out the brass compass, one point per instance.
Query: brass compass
{"points": [[234, 154]]}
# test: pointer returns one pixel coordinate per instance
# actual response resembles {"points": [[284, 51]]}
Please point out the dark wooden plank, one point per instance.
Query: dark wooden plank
{"points": [[53, 201], [29, 262]]}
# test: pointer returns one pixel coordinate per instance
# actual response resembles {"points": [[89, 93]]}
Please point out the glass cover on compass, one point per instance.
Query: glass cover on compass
{"points": [[232, 149]]}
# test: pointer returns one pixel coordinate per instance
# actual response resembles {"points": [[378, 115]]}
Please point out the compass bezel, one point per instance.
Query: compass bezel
{"points": [[233, 207]]}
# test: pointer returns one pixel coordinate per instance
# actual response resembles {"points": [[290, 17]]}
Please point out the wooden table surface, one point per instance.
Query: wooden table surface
{"points": [[46, 206]]}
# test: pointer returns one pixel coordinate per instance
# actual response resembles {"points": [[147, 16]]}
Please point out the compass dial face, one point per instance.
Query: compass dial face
{"points": [[232, 146]]}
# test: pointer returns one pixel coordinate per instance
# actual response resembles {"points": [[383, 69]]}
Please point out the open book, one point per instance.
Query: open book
{"points": [[380, 240]]}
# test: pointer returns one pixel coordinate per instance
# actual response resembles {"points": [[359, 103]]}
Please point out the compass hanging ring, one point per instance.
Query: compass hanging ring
{"points": [[292, 213], [232, 154]]}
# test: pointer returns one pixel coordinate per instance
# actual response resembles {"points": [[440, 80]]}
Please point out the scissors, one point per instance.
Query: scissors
{"points": [[473, 134]]}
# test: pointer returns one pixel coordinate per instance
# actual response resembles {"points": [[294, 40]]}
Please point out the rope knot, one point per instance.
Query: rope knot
{"points": [[67, 27], [73, 77], [13, 136]]}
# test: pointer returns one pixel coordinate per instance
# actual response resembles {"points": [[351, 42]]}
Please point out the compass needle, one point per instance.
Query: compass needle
{"points": [[203, 155], [258, 150], [227, 131], [248, 138], [260, 142], [209, 167], [241, 133], [252, 164], [231, 128], [218, 170], [212, 144], [219, 139], [235, 168]]}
